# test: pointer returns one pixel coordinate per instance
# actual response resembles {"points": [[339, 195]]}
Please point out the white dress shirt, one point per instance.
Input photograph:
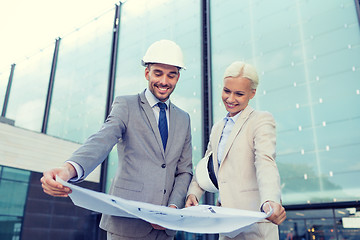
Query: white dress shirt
{"points": [[229, 124]]}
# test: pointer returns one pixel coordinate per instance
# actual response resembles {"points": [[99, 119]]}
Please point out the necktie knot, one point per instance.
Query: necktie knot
{"points": [[162, 105]]}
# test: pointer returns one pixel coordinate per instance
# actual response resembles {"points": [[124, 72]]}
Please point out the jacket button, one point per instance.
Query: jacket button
{"points": [[164, 191], [163, 165]]}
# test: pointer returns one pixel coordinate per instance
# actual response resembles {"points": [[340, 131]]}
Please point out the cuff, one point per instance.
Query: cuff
{"points": [[79, 171]]}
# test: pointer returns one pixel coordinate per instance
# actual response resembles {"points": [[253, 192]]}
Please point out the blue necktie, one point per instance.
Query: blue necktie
{"points": [[163, 128]]}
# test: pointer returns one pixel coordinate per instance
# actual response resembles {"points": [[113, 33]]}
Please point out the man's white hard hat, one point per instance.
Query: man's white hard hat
{"points": [[165, 52], [202, 174]]}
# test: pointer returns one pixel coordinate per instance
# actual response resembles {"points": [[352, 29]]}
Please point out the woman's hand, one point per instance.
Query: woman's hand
{"points": [[278, 216], [191, 201]]}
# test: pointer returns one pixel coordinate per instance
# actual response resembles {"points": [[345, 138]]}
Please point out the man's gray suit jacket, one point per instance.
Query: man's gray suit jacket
{"points": [[145, 172]]}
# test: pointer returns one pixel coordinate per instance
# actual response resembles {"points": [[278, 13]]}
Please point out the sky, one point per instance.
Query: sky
{"points": [[28, 26]]}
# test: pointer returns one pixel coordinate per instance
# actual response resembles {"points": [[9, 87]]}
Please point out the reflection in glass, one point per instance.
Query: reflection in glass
{"points": [[319, 224], [79, 97], [308, 67], [28, 90]]}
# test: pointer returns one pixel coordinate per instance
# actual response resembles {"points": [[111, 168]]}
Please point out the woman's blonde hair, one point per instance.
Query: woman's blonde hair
{"points": [[242, 69]]}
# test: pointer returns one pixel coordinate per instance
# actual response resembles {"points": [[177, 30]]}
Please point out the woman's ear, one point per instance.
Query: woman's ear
{"points": [[253, 92]]}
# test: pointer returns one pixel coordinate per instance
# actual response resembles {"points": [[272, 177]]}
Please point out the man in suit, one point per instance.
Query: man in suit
{"points": [[154, 148], [243, 149]]}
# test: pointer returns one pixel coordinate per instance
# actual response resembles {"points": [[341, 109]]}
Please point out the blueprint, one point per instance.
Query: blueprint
{"points": [[197, 219]]}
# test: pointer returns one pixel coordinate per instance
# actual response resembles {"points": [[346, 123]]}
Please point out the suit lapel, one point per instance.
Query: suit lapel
{"points": [[151, 118], [217, 135], [172, 123], [236, 129]]}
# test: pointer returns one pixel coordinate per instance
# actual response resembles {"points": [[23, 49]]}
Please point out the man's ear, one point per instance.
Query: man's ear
{"points": [[147, 72]]}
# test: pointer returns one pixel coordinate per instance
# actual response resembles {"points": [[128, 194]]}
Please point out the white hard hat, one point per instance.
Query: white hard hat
{"points": [[166, 52], [205, 175]]}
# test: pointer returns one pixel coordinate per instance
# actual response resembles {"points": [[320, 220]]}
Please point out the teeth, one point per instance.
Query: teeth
{"points": [[162, 89]]}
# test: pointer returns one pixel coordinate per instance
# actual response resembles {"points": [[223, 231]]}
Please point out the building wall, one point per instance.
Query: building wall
{"points": [[13, 191], [50, 218], [25, 149]]}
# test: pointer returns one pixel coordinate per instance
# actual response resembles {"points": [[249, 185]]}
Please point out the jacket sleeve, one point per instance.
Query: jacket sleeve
{"points": [[267, 173], [97, 147]]}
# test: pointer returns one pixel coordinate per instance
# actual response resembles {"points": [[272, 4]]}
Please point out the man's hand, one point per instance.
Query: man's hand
{"points": [[157, 227], [191, 201], [53, 188], [278, 216]]}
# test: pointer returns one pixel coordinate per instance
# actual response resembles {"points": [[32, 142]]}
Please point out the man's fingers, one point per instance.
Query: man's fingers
{"points": [[55, 190], [52, 187], [56, 193], [48, 180], [157, 227], [50, 184]]}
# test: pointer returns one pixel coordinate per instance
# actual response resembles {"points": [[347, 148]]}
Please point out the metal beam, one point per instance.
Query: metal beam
{"points": [[101, 235], [7, 93], [111, 84], [206, 90], [50, 86], [357, 6], [330, 205]]}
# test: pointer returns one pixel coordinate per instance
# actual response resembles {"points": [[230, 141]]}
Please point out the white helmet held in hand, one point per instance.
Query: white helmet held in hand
{"points": [[205, 175], [165, 52]]}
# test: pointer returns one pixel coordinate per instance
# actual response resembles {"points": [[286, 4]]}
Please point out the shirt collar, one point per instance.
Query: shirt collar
{"points": [[234, 118], [152, 100]]}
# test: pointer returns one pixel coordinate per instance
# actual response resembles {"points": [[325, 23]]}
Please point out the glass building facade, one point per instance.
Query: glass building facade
{"points": [[79, 92], [307, 59], [31, 76], [13, 191], [307, 54]]}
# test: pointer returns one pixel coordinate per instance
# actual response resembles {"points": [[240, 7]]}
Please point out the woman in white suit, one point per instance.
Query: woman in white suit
{"points": [[243, 150]]}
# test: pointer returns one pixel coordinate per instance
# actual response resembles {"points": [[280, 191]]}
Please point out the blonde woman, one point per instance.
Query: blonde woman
{"points": [[243, 151]]}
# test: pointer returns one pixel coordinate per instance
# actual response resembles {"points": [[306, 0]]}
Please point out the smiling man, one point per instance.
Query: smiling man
{"points": [[154, 154], [162, 80]]}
